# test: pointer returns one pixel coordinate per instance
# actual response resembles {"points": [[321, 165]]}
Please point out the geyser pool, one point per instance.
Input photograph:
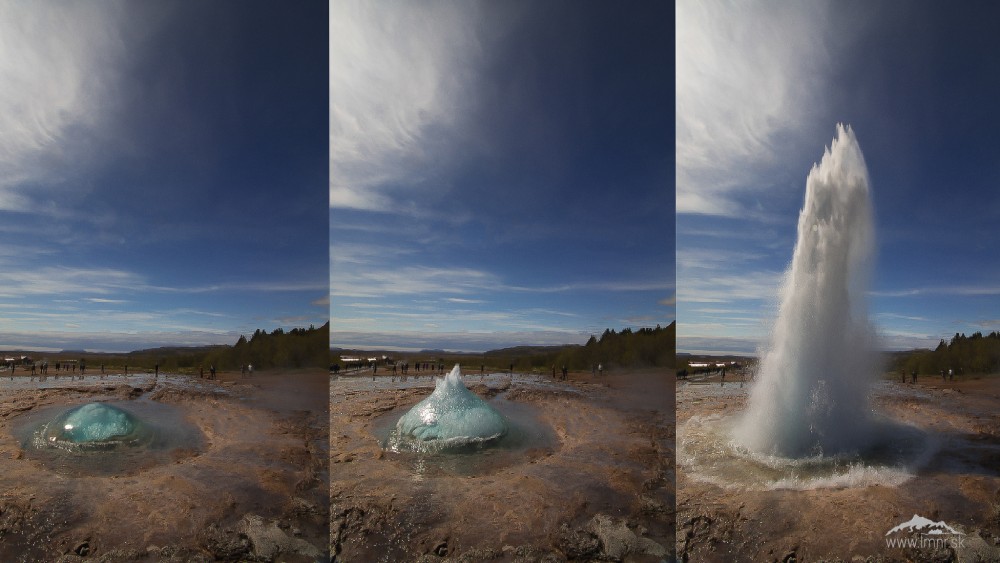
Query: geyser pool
{"points": [[107, 438], [452, 417]]}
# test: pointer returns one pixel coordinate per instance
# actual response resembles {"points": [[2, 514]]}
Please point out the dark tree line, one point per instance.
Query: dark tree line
{"points": [[297, 348], [963, 354], [628, 348]]}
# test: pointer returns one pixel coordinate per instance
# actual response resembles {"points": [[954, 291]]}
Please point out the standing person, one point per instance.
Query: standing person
{"points": [[564, 372], [250, 370], [511, 372], [156, 373], [600, 369], [211, 371]]}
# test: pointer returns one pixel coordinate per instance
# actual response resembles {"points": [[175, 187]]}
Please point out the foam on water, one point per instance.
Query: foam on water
{"points": [[811, 394], [451, 417], [705, 446]]}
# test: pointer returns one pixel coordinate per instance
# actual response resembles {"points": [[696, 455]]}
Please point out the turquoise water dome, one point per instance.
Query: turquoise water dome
{"points": [[451, 417], [93, 426]]}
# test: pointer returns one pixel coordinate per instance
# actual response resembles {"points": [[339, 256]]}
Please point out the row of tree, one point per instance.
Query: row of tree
{"points": [[963, 354], [645, 347], [297, 348]]}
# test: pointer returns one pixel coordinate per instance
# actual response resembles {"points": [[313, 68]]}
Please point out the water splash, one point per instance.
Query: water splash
{"points": [[811, 396], [451, 417]]}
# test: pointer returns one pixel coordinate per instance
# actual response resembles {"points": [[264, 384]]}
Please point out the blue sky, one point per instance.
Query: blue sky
{"points": [[501, 173], [164, 171], [760, 88]]}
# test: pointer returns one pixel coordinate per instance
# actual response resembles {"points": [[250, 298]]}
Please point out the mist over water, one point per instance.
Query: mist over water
{"points": [[812, 391]]}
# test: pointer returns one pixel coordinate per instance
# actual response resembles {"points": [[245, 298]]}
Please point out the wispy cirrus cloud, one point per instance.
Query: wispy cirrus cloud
{"points": [[60, 64], [748, 76], [399, 78], [967, 290]]}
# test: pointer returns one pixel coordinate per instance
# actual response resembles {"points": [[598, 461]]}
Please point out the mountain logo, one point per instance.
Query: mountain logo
{"points": [[925, 526]]}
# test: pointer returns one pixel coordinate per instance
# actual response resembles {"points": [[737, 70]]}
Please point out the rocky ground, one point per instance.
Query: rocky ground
{"points": [[960, 485], [253, 489], [601, 490]]}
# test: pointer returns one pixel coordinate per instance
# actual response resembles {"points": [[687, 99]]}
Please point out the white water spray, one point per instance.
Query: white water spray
{"points": [[812, 391]]}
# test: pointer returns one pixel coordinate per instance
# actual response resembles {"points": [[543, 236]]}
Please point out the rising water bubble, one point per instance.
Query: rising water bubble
{"points": [[92, 426], [107, 439], [452, 417]]}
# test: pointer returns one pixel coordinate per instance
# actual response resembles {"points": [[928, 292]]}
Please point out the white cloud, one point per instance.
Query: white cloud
{"points": [[59, 66], [965, 290], [464, 301], [56, 280], [749, 77], [720, 287], [398, 75], [409, 280]]}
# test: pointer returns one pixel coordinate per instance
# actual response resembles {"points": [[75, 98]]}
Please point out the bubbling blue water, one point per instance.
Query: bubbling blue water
{"points": [[92, 426], [452, 417]]}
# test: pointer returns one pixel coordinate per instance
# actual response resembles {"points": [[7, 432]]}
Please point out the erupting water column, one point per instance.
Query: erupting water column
{"points": [[811, 396]]}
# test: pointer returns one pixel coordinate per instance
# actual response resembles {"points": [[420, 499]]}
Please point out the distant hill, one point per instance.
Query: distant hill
{"points": [[177, 350], [297, 348], [530, 350], [644, 347]]}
